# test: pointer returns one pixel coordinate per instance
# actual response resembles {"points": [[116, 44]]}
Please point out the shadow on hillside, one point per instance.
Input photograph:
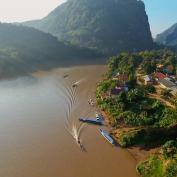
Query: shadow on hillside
{"points": [[25, 69], [156, 137]]}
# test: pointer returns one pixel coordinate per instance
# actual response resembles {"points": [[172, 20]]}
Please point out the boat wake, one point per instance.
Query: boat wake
{"points": [[72, 126]]}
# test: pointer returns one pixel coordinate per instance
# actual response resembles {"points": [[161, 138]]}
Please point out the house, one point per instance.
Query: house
{"points": [[119, 89], [169, 69], [121, 78], [116, 77], [148, 80], [167, 84], [116, 90], [160, 75]]}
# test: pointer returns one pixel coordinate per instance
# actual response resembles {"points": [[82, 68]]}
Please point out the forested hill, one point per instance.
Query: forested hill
{"points": [[24, 49], [168, 37], [110, 26]]}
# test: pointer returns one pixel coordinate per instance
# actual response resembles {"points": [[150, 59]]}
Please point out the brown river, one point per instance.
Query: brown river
{"points": [[37, 115]]}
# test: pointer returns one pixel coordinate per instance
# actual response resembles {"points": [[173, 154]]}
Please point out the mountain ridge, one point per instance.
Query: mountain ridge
{"points": [[168, 37]]}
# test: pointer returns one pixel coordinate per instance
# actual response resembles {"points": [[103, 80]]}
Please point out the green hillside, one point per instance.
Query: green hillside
{"points": [[24, 49], [108, 26]]}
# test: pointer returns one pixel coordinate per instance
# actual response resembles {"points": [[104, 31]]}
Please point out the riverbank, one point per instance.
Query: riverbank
{"points": [[139, 122], [139, 153]]}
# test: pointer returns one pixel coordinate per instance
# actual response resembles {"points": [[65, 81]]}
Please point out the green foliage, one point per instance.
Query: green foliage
{"points": [[169, 149], [169, 118], [153, 167], [148, 66], [150, 88], [104, 86], [130, 138], [121, 98], [135, 94], [24, 50], [171, 170], [157, 165]]}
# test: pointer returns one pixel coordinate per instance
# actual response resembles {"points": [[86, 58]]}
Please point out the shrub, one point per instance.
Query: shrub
{"points": [[131, 138], [169, 149], [150, 88], [171, 170], [153, 167]]}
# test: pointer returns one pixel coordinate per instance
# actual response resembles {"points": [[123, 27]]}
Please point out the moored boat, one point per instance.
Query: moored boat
{"points": [[99, 116], [91, 121], [107, 136]]}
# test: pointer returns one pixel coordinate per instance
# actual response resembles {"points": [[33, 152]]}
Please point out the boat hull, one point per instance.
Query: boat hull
{"points": [[91, 121], [107, 136]]}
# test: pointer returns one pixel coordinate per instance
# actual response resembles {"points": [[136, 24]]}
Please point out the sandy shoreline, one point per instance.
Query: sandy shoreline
{"points": [[138, 153]]}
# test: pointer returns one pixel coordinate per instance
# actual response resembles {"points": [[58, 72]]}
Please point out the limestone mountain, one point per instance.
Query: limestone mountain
{"points": [[110, 26]]}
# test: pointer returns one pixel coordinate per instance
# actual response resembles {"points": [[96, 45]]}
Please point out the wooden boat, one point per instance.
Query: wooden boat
{"points": [[65, 76], [107, 136], [91, 121], [75, 84], [99, 116]]}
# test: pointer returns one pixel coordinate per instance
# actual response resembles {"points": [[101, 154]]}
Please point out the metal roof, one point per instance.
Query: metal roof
{"points": [[167, 83]]}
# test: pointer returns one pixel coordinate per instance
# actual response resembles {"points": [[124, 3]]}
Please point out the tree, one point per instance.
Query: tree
{"points": [[166, 93], [132, 95], [169, 148], [135, 94], [104, 86], [121, 98], [150, 88]]}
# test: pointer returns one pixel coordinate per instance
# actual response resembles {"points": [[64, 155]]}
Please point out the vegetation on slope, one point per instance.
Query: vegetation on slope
{"points": [[108, 26], [24, 49], [162, 165]]}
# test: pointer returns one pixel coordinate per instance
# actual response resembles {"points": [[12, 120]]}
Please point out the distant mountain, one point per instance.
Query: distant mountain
{"points": [[110, 26], [168, 37], [24, 49]]}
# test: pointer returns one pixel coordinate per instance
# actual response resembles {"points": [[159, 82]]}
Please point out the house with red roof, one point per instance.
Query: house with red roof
{"points": [[160, 75]]}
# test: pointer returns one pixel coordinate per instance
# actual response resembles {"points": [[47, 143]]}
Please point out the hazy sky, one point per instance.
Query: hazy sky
{"points": [[162, 13], [22, 10]]}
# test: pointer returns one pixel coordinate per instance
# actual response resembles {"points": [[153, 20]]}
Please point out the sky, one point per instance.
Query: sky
{"points": [[24, 10], [162, 13]]}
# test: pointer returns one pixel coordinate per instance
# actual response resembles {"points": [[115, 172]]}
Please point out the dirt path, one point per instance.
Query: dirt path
{"points": [[165, 102]]}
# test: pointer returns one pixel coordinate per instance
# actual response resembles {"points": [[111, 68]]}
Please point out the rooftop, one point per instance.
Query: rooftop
{"points": [[167, 83], [160, 75], [147, 78]]}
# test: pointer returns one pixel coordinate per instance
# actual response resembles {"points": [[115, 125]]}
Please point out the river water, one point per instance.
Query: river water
{"points": [[37, 114]]}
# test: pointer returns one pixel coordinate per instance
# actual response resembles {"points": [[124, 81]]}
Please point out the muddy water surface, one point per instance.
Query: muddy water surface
{"points": [[36, 118]]}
